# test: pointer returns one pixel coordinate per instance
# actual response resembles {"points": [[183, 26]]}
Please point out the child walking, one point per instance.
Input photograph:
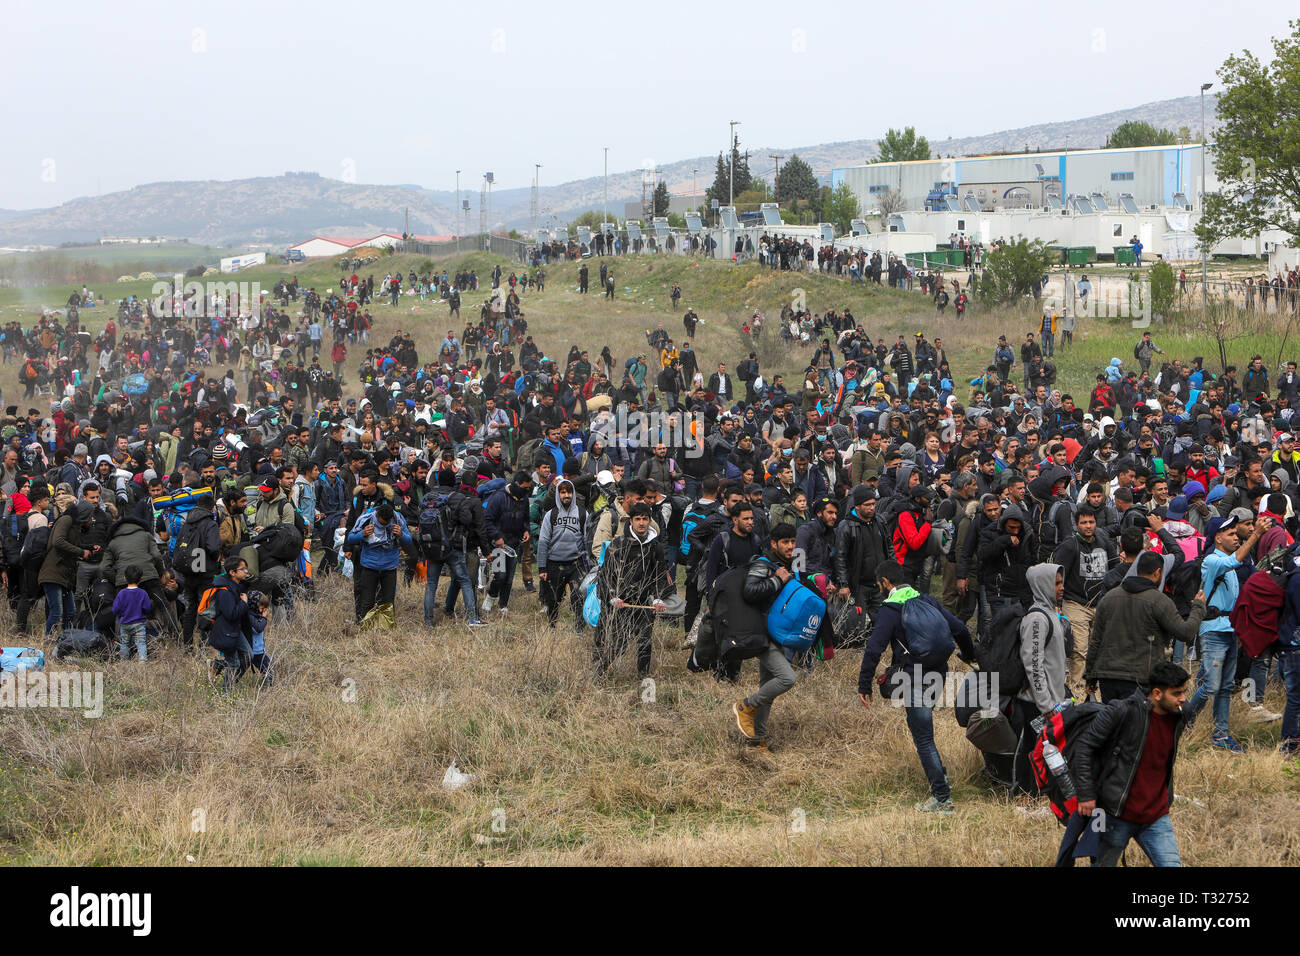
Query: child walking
{"points": [[131, 607]]}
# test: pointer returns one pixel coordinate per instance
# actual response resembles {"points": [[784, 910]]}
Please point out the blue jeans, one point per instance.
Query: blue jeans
{"points": [[1156, 840], [920, 723], [58, 600], [1288, 665], [454, 562], [1216, 678], [1049, 344], [132, 634]]}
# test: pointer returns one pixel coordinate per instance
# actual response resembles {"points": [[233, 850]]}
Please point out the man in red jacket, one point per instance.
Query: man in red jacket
{"points": [[913, 534], [1198, 469]]}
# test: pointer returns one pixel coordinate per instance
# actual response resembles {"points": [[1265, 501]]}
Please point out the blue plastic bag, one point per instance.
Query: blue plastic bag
{"points": [[14, 659]]}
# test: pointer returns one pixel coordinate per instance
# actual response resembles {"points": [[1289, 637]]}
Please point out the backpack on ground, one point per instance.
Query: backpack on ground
{"points": [[796, 616], [432, 531], [926, 634]]}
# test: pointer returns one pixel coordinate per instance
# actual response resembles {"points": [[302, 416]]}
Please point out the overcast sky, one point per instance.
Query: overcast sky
{"points": [[101, 97]]}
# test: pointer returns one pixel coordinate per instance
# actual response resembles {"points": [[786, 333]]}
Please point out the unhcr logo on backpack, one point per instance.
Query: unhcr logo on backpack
{"points": [[69, 690], [917, 687]]}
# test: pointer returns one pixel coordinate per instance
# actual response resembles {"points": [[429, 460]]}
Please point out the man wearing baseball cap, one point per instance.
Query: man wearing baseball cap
{"points": [[1220, 584]]}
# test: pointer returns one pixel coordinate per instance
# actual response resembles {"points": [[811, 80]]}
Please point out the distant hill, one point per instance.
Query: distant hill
{"points": [[292, 207]]}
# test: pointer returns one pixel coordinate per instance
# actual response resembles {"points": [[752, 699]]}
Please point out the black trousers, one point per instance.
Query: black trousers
{"points": [[194, 586], [693, 597], [1113, 688], [616, 630], [371, 587], [559, 575]]}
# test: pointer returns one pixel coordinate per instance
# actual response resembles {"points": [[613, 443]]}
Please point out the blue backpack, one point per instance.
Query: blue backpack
{"points": [[796, 616], [693, 518], [925, 632]]}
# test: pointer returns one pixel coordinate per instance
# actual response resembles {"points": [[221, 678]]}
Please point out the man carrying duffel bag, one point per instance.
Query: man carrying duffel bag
{"points": [[794, 616]]}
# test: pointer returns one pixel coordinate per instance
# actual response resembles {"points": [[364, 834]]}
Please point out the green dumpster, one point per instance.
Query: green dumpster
{"points": [[1080, 255], [957, 257], [1124, 255]]}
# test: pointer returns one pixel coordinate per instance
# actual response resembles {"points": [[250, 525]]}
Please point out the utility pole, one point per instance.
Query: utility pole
{"points": [[776, 178], [537, 182], [731, 159], [605, 217], [1200, 207], [460, 216], [695, 191]]}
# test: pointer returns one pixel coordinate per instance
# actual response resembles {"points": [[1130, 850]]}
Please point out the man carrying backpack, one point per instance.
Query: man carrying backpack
{"points": [[1133, 625], [463, 533], [560, 558], [1124, 763], [197, 559], [922, 634]]}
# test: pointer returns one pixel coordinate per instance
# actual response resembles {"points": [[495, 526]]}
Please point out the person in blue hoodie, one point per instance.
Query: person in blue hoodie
{"points": [[380, 532]]}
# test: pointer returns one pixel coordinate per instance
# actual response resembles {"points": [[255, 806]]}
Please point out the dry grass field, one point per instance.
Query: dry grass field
{"points": [[342, 761]]}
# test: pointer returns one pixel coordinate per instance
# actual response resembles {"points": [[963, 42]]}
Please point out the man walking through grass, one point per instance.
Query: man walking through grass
{"points": [[766, 577], [907, 622]]}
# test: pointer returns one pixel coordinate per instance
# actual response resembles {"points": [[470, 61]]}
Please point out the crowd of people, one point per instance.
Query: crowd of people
{"points": [[1078, 548]]}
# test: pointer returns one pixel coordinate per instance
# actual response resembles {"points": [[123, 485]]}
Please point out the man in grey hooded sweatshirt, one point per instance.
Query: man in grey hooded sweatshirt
{"points": [[560, 559], [1044, 635]]}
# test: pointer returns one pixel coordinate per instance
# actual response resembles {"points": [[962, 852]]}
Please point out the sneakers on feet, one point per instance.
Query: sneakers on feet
{"points": [[934, 805], [1229, 744], [1262, 714], [745, 715], [528, 586], [479, 622]]}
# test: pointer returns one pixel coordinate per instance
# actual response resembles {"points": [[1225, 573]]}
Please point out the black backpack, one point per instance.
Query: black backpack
{"points": [[1048, 531], [998, 651], [432, 533], [190, 555], [1185, 580]]}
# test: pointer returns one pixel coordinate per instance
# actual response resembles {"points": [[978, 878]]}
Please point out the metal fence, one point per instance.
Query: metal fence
{"points": [[500, 245]]}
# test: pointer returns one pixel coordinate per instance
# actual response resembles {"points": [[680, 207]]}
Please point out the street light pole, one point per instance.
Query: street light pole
{"points": [[694, 190], [1201, 204], [731, 151], [605, 218]]}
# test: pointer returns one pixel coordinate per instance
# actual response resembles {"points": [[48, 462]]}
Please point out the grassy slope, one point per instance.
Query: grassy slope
{"points": [[573, 771]]}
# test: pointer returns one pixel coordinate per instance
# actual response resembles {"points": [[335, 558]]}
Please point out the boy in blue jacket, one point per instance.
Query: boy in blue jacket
{"points": [[380, 533]]}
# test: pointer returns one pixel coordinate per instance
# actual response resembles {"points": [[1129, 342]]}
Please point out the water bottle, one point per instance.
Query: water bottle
{"points": [[1039, 722], [1060, 770]]}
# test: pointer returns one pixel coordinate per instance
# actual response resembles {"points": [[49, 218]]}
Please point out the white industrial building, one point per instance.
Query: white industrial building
{"points": [[1149, 176]]}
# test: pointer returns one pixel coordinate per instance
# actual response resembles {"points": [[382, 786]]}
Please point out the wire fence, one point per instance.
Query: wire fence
{"points": [[480, 242]]}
